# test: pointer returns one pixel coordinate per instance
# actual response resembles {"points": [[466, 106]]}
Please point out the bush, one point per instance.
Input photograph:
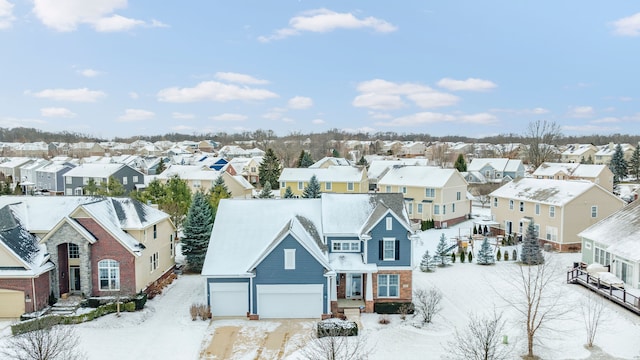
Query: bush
{"points": [[336, 327], [140, 300], [470, 257], [515, 255], [453, 258], [499, 255], [404, 309], [52, 299], [462, 256], [384, 320], [506, 256], [130, 306], [393, 308]]}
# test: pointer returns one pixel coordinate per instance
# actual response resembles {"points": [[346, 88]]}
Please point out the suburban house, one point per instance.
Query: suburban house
{"points": [[10, 168], [577, 153], [50, 178], [560, 209], [88, 246], [494, 170], [605, 153], [598, 174], [249, 168], [327, 161], [332, 179], [202, 178], [77, 178], [379, 166], [613, 241], [430, 193], [309, 257]]}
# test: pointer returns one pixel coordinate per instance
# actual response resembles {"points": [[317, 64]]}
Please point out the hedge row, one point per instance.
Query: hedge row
{"points": [[46, 322], [392, 307], [336, 327]]}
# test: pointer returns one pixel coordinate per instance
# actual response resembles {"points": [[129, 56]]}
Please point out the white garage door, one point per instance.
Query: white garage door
{"points": [[229, 299], [12, 303], [290, 301]]}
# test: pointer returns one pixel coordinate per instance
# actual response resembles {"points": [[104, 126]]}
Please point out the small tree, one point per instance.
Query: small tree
{"points": [[453, 257], [592, 307], [499, 255], [442, 257], [427, 264], [335, 153], [470, 256], [460, 164], [312, 190], [91, 188], [485, 254], [218, 192], [618, 165], [634, 163], [463, 256], [47, 342], [265, 193], [161, 167], [514, 255], [197, 231], [531, 251], [175, 199], [480, 340], [305, 160], [269, 169], [362, 161], [288, 194], [427, 303]]}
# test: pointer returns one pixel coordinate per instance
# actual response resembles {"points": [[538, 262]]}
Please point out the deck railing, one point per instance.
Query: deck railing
{"points": [[614, 293]]}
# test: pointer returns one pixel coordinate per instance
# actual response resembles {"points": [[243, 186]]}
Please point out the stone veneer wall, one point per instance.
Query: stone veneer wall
{"points": [[67, 234]]}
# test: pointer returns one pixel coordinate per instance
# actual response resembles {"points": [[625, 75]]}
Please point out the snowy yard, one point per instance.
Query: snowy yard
{"points": [[164, 329]]}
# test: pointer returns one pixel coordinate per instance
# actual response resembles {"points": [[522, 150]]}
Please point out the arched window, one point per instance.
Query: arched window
{"points": [[109, 275]]}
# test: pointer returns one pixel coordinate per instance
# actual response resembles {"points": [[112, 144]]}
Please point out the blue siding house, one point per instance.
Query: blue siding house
{"points": [[307, 258]]}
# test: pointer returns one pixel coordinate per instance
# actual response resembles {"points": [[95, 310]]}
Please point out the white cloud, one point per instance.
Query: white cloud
{"points": [[11, 122], [379, 115], [300, 102], [239, 78], [213, 91], [581, 111], [381, 94], [77, 95], [6, 14], [134, 95], [324, 20], [539, 111], [419, 118], [67, 15], [629, 26], [534, 111], [318, 122], [182, 128], [606, 120], [471, 84], [136, 115], [229, 117], [591, 129], [481, 118], [57, 112], [158, 24], [288, 120], [182, 116], [273, 115], [89, 73]]}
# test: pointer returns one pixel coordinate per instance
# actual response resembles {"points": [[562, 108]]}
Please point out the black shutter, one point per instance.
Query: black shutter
{"points": [[397, 249], [381, 249]]}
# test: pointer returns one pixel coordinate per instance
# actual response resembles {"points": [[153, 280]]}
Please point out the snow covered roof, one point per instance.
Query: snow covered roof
{"points": [[329, 174], [377, 168], [92, 170], [345, 263], [620, 232], [499, 164], [332, 160], [422, 176], [14, 162], [190, 172], [545, 191], [578, 149], [571, 169]]}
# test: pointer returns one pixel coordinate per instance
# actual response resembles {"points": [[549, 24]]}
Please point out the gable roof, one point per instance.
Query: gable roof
{"points": [[571, 169], [620, 232], [94, 170], [500, 164], [420, 176], [545, 191], [350, 213], [329, 174]]}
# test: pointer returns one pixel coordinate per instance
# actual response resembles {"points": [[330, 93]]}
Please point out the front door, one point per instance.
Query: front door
{"points": [[74, 278], [354, 286]]}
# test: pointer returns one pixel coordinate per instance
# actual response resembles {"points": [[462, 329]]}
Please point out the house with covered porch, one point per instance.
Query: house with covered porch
{"points": [[308, 258]]}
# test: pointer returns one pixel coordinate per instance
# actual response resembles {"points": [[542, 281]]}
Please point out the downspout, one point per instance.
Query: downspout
{"points": [[33, 294]]}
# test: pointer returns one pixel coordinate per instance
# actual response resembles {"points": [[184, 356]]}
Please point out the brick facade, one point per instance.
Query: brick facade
{"points": [[41, 284], [57, 246], [405, 283], [106, 247]]}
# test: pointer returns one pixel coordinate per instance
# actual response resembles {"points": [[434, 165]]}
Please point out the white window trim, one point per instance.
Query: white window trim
{"points": [[386, 241], [552, 211], [350, 186], [511, 204], [111, 270], [388, 282], [389, 223], [594, 208], [345, 245], [328, 186], [289, 259], [587, 245], [300, 185]]}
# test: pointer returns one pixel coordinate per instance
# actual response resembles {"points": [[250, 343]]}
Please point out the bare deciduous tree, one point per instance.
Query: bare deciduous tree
{"points": [[592, 307], [59, 342], [542, 137], [482, 191], [535, 297], [480, 340], [427, 303], [335, 346]]}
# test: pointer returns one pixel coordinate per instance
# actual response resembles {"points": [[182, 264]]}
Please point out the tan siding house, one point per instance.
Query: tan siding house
{"points": [[560, 209], [597, 174]]}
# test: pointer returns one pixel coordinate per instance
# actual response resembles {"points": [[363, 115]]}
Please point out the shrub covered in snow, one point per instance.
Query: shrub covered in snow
{"points": [[337, 327]]}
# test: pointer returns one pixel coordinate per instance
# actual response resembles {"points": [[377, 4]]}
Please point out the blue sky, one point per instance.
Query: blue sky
{"points": [[473, 68]]}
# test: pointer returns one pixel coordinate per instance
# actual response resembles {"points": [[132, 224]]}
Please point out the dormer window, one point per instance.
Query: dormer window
{"points": [[345, 246]]}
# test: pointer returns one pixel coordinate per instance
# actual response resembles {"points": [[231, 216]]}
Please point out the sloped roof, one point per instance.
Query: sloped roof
{"points": [[93, 170], [332, 160], [571, 169], [620, 232], [499, 164], [329, 174], [422, 176], [545, 191]]}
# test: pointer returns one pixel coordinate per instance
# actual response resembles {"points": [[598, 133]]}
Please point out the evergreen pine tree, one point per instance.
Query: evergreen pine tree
{"points": [[634, 163], [288, 194], [305, 160], [499, 255], [114, 187], [485, 254], [335, 153], [312, 190], [460, 164], [362, 161], [427, 265], [618, 165], [463, 256], [441, 257], [265, 193], [470, 256], [269, 169], [531, 252], [91, 188], [514, 255], [161, 167], [197, 231], [218, 192], [453, 257]]}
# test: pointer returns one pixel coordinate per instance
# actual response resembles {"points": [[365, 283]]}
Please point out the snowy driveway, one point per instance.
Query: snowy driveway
{"points": [[163, 330]]}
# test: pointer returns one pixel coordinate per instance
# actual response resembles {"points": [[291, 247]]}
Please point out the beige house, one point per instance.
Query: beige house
{"points": [[576, 153], [202, 178], [597, 174], [605, 153], [430, 193], [560, 209], [332, 179]]}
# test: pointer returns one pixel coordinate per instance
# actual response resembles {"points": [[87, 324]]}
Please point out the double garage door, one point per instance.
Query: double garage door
{"points": [[274, 301], [11, 303]]}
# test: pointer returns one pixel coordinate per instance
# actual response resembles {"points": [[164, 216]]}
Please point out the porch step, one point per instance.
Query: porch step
{"points": [[352, 314]]}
